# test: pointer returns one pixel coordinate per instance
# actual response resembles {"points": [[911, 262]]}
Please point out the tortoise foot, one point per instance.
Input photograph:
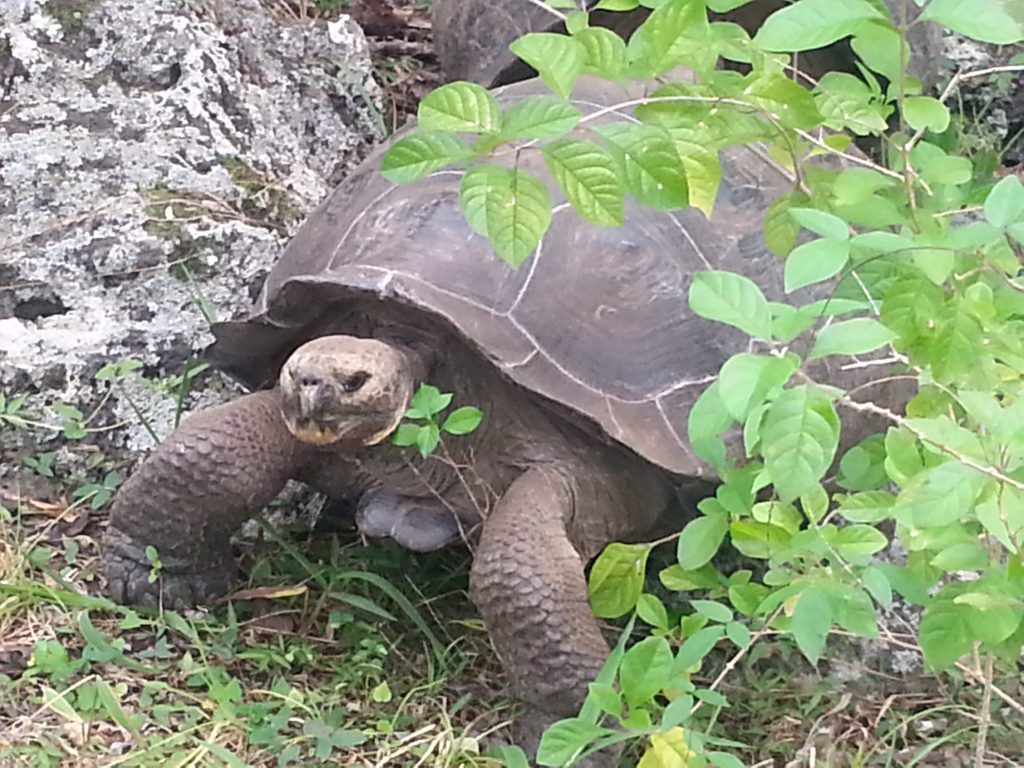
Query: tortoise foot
{"points": [[133, 580]]}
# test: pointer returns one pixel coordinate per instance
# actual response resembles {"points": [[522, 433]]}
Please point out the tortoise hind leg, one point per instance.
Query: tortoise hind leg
{"points": [[222, 465], [528, 582]]}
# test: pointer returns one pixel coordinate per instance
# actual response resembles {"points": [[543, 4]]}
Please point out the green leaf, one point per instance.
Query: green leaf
{"points": [[725, 760], [460, 107], [924, 112], [576, 21], [696, 647], [878, 586], [758, 540], [406, 434], [651, 166], [427, 439], [714, 611], [732, 299], [800, 436], [995, 21], [652, 610], [846, 102], [539, 117], [463, 420], [427, 401], [939, 496], [862, 468], [815, 261], [703, 175], [944, 634], [558, 59], [738, 633], [589, 178], [745, 598], [606, 698], [852, 609], [421, 153], [679, 580], [790, 103], [954, 351], [700, 540], [857, 543], [811, 24], [821, 223], [851, 337], [812, 620], [676, 33], [645, 669], [617, 579], [994, 613], [708, 419], [939, 168], [605, 52], [902, 457], [564, 740], [879, 46], [1005, 203], [781, 229], [510, 207], [966, 556], [746, 379]]}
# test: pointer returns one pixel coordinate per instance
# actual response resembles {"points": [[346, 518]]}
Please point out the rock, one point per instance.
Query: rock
{"points": [[155, 155]]}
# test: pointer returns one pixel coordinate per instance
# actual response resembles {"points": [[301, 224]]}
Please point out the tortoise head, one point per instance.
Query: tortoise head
{"points": [[345, 391]]}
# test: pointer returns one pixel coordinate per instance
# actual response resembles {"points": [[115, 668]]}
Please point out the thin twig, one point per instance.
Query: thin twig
{"points": [[955, 81], [544, 6], [967, 461], [985, 716]]}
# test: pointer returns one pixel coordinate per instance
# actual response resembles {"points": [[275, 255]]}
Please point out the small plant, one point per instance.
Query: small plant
{"points": [[41, 464], [98, 494], [424, 426], [155, 566]]}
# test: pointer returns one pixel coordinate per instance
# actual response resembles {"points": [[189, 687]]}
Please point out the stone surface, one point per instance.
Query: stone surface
{"points": [[154, 157]]}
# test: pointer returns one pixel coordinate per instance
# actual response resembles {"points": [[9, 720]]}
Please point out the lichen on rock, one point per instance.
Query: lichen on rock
{"points": [[154, 157]]}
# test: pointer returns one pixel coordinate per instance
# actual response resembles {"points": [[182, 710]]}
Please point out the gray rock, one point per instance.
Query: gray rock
{"points": [[155, 155]]}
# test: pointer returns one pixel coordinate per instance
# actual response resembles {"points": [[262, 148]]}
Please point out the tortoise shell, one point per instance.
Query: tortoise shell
{"points": [[597, 319]]}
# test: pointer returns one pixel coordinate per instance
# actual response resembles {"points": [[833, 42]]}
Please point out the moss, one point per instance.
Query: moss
{"points": [[69, 14], [264, 200], [166, 207]]}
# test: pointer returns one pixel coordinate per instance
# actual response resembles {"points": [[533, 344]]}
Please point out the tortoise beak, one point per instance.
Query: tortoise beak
{"points": [[312, 402]]}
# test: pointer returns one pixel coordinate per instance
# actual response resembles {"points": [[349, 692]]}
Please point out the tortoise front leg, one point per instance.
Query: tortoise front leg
{"points": [[528, 582], [221, 466]]}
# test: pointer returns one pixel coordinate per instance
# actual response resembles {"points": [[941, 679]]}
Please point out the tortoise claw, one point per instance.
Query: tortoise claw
{"points": [[133, 580]]}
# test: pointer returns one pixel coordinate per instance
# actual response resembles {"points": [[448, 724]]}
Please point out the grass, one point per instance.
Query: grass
{"points": [[335, 653]]}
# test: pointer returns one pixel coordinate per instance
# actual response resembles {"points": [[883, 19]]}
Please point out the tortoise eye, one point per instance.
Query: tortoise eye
{"points": [[355, 382]]}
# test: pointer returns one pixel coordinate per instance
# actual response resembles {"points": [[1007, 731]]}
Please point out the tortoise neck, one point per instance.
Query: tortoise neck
{"points": [[417, 348]]}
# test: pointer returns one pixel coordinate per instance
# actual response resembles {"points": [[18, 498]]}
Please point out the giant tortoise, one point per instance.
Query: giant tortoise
{"points": [[586, 362]]}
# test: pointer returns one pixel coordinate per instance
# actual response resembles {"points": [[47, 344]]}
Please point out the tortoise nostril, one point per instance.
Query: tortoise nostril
{"points": [[308, 379]]}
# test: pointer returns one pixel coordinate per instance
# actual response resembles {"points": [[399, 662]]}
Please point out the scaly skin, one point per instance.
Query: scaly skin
{"points": [[219, 468], [528, 583]]}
